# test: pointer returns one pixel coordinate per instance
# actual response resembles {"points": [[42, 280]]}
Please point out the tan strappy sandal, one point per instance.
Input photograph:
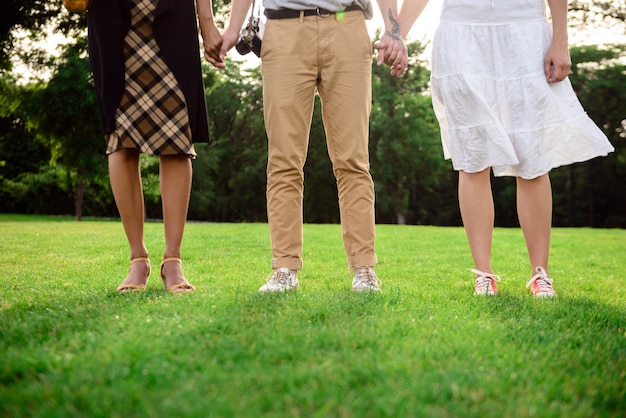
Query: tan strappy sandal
{"points": [[133, 287], [184, 286]]}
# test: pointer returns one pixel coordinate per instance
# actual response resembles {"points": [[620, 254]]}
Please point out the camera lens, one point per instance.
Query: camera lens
{"points": [[242, 47]]}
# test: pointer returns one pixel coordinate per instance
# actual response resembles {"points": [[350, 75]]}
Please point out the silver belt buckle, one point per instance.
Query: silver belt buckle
{"points": [[322, 12]]}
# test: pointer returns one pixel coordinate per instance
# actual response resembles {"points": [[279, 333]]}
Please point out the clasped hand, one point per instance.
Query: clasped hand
{"points": [[393, 52], [212, 43]]}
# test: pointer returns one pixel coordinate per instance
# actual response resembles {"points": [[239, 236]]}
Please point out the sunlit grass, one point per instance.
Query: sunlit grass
{"points": [[72, 346]]}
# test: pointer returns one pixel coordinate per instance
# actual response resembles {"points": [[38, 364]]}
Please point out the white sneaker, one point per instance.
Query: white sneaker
{"points": [[541, 285], [283, 279], [485, 283], [365, 280]]}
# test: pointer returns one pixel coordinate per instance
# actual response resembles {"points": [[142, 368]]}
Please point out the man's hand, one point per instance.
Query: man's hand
{"points": [[229, 39]]}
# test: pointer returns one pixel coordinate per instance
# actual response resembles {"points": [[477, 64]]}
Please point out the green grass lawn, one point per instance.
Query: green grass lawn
{"points": [[71, 346]]}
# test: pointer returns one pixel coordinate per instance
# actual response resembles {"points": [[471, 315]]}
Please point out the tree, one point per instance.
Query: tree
{"points": [[33, 16], [229, 173], [594, 189], [65, 116], [406, 154], [603, 10], [414, 184], [21, 156], [321, 201]]}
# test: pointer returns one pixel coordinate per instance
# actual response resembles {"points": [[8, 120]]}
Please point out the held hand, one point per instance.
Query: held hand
{"points": [[393, 52], [557, 63], [229, 39], [212, 43]]}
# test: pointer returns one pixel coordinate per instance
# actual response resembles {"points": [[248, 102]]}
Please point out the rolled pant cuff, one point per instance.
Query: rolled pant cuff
{"points": [[364, 260], [287, 262]]}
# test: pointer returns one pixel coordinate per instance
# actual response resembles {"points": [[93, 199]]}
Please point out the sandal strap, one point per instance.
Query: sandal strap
{"points": [[138, 259], [184, 286], [171, 260], [145, 260], [133, 287]]}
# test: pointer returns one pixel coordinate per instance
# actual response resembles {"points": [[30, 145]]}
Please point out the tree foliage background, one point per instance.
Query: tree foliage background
{"points": [[52, 152]]}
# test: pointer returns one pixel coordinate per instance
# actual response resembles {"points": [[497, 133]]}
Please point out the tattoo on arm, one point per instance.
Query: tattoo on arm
{"points": [[394, 33]]}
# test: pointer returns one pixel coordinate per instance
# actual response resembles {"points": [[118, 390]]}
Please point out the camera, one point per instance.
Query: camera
{"points": [[251, 37]]}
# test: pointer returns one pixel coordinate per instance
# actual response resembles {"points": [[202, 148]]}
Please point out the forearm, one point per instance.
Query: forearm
{"points": [[389, 11], [411, 10], [558, 12], [205, 11], [211, 38], [238, 12]]}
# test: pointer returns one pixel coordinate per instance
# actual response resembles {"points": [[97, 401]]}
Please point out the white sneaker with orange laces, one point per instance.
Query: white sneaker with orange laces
{"points": [[541, 285], [485, 284]]}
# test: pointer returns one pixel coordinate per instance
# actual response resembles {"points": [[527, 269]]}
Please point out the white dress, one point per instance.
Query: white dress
{"points": [[490, 94]]}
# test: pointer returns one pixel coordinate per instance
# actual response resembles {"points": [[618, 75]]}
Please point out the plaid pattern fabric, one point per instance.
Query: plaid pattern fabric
{"points": [[152, 116]]}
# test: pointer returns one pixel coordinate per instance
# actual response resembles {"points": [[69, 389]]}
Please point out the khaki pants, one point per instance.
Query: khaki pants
{"points": [[332, 55]]}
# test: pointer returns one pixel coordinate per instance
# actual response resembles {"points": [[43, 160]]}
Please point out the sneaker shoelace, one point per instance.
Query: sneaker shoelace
{"points": [[366, 277], [544, 283], [484, 282], [280, 277]]}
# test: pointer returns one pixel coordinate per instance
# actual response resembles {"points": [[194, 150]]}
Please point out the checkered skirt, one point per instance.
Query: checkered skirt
{"points": [[152, 116]]}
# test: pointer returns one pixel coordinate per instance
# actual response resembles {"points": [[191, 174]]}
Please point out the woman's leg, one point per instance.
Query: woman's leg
{"points": [[125, 180], [534, 209], [477, 211], [175, 180]]}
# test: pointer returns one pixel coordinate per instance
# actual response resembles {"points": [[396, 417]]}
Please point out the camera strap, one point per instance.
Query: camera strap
{"points": [[250, 23]]}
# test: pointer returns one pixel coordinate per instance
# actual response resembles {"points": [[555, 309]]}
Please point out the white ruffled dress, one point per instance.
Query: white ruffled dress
{"points": [[494, 105]]}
